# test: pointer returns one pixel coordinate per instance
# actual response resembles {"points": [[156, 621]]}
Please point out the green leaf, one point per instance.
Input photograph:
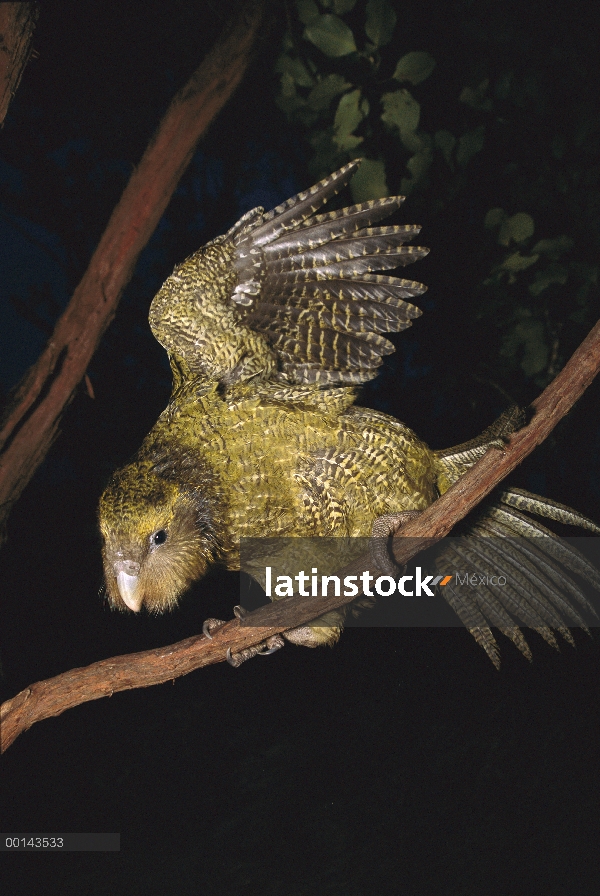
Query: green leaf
{"points": [[296, 69], [291, 105], [369, 181], [554, 248], [342, 6], [414, 67], [554, 273], [288, 85], [531, 335], [528, 338], [516, 262], [419, 164], [331, 35], [445, 141], [415, 142], [521, 227], [381, 21], [401, 111], [349, 114], [518, 228], [288, 100], [307, 11], [347, 142], [325, 91], [494, 218], [470, 144], [476, 98], [535, 357]]}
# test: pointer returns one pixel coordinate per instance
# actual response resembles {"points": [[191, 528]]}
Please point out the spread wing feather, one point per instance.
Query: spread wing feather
{"points": [[292, 295], [365, 290], [305, 281]]}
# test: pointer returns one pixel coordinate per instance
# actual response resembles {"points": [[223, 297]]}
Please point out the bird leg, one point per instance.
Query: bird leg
{"points": [[385, 527], [270, 645]]}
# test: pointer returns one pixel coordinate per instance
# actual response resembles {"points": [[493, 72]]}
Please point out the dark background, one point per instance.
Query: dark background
{"points": [[398, 762]]}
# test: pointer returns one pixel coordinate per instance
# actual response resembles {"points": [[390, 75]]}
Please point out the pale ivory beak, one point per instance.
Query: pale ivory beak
{"points": [[129, 591]]}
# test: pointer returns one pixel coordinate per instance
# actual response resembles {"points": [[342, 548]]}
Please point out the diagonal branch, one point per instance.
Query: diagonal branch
{"points": [[32, 422], [52, 697], [17, 23]]}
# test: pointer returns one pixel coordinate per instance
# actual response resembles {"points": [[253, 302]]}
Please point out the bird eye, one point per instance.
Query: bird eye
{"points": [[159, 537]]}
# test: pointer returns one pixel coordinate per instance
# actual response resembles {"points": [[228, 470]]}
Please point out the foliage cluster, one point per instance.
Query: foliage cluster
{"points": [[485, 111]]}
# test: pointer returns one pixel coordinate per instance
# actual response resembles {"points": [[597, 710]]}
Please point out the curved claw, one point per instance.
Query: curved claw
{"points": [[234, 661], [271, 645], [275, 642], [211, 625]]}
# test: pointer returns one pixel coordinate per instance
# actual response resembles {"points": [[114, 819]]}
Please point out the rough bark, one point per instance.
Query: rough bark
{"points": [[17, 24], [54, 696], [32, 422]]}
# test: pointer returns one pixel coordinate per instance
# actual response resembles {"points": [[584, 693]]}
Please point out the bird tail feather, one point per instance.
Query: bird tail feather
{"points": [[545, 576]]}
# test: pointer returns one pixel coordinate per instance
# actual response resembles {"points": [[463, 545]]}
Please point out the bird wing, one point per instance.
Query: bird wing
{"points": [[292, 295]]}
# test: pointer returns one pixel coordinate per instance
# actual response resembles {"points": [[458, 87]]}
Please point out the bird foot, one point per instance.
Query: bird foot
{"points": [[211, 625], [275, 642], [384, 528]]}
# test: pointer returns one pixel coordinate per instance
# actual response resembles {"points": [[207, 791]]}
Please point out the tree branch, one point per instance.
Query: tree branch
{"points": [[17, 23], [52, 697], [32, 422]]}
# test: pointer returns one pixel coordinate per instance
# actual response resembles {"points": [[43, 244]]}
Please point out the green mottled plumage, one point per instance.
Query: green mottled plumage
{"points": [[269, 329]]}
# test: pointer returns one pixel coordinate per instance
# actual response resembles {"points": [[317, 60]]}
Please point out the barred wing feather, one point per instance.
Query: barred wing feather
{"points": [[306, 282]]}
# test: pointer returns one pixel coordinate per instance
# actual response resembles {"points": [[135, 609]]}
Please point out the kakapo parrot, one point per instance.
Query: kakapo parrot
{"points": [[270, 330]]}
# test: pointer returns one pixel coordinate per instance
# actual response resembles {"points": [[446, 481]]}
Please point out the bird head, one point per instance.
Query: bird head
{"points": [[157, 536]]}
